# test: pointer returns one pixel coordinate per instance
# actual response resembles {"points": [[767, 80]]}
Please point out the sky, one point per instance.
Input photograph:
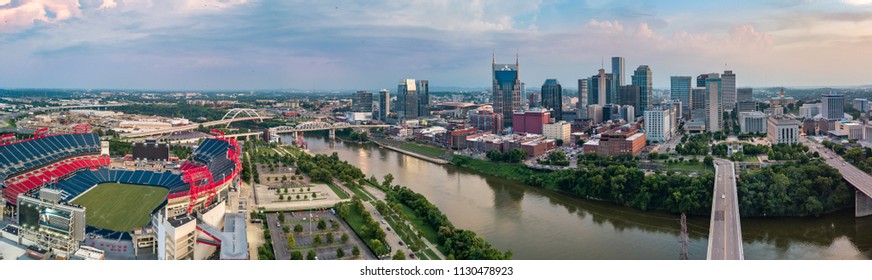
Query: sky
{"points": [[350, 45]]}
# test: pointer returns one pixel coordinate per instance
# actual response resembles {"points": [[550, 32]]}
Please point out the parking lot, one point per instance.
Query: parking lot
{"points": [[304, 240]]}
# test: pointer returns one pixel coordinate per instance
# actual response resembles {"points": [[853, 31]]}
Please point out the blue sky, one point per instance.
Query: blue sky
{"points": [[336, 44]]}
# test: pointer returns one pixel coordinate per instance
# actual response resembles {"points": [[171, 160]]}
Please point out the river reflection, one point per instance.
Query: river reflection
{"points": [[540, 224]]}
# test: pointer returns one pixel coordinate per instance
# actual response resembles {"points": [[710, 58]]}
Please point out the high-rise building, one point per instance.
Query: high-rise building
{"points": [[658, 124], [728, 85], [600, 87], [744, 94], [384, 104], [642, 78], [582, 93], [700, 80], [714, 112], [629, 95], [407, 99], [679, 89], [423, 87], [861, 104], [552, 98], [611, 112], [809, 110], [533, 100], [595, 113], [833, 106], [697, 106], [506, 89], [628, 113], [618, 72], [361, 101], [744, 101]]}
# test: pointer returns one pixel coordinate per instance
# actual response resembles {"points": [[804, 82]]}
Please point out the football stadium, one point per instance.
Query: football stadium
{"points": [[133, 209]]}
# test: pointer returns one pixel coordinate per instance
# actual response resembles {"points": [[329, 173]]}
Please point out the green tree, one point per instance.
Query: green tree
{"points": [[298, 228], [516, 155], [399, 255], [291, 241], [281, 197], [296, 255], [379, 248], [281, 217], [334, 224], [311, 255], [314, 195], [355, 251], [340, 253], [317, 240], [344, 238], [322, 225], [494, 155], [854, 155], [708, 161], [329, 237]]}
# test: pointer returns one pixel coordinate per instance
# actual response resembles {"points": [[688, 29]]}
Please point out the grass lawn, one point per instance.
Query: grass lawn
{"points": [[423, 150], [360, 192], [120, 207], [429, 232], [341, 194], [511, 171], [686, 166], [355, 220]]}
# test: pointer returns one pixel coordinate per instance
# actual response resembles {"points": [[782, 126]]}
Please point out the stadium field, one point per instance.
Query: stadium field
{"points": [[120, 207]]}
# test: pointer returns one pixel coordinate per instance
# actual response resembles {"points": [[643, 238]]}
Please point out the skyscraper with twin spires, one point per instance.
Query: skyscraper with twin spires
{"points": [[506, 89]]}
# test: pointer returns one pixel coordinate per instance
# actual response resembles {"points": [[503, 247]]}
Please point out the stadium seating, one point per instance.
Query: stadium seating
{"points": [[72, 161], [30, 163], [83, 180], [213, 154]]}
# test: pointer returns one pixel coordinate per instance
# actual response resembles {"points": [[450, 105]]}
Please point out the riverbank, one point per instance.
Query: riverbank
{"points": [[538, 224], [409, 153], [625, 184]]}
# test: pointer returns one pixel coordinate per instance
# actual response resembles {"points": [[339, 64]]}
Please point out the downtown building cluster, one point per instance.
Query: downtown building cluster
{"points": [[612, 112]]}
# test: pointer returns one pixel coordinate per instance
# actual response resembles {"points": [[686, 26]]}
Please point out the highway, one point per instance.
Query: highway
{"points": [[725, 230]]}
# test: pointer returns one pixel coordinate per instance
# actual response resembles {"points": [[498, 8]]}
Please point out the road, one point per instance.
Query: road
{"points": [[852, 174], [725, 230]]}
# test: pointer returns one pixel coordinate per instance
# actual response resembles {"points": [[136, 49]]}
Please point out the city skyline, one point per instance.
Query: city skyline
{"points": [[240, 44]]}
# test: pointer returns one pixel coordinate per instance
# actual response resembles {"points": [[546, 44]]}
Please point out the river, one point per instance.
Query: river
{"points": [[540, 224]]}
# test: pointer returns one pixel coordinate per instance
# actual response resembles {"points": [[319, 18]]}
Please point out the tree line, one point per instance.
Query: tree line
{"points": [[624, 183], [793, 189]]}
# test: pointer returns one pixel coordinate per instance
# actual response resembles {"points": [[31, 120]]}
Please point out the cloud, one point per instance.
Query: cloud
{"points": [[858, 2], [107, 4], [605, 26], [22, 14], [745, 36]]}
